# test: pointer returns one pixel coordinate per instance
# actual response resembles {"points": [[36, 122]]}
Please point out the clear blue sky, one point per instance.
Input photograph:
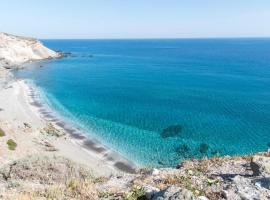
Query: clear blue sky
{"points": [[135, 18]]}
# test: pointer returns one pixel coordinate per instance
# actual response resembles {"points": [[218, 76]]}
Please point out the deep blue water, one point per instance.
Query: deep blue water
{"points": [[126, 92]]}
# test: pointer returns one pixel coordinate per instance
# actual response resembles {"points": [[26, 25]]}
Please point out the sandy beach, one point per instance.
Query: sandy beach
{"points": [[36, 131]]}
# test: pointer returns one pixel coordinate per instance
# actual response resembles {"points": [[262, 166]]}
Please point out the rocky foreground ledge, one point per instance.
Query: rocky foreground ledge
{"points": [[43, 177]]}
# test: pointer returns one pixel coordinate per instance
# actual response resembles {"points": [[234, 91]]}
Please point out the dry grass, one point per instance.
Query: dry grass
{"points": [[83, 190]]}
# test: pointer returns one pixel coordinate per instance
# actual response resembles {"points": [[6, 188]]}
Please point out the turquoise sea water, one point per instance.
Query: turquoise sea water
{"points": [[212, 95]]}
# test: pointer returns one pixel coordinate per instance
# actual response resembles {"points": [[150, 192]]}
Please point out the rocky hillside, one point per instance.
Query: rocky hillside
{"points": [[15, 50], [233, 178]]}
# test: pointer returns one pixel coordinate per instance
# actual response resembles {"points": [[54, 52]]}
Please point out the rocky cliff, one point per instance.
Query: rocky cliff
{"points": [[16, 50]]}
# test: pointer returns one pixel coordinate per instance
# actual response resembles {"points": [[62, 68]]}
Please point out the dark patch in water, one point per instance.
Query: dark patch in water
{"points": [[161, 162], [125, 167], [215, 152], [171, 131], [77, 136], [268, 144], [61, 124], [48, 116], [109, 158], [92, 146], [184, 151], [53, 120], [36, 104], [203, 148]]}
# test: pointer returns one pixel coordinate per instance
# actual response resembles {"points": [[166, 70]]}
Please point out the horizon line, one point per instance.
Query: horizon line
{"points": [[161, 38]]}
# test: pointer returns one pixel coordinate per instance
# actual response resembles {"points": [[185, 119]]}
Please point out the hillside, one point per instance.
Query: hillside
{"points": [[16, 50]]}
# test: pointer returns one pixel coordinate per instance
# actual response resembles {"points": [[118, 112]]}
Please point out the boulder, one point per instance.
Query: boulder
{"points": [[150, 191], [263, 183], [202, 198], [174, 193], [155, 172], [260, 165]]}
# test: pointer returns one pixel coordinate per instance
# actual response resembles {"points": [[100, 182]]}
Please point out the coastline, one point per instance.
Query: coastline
{"points": [[49, 158], [24, 119]]}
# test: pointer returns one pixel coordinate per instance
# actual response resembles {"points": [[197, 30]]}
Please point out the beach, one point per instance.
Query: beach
{"points": [[22, 121]]}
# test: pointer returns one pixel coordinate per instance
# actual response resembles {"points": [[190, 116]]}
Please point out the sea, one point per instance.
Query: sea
{"points": [[158, 102]]}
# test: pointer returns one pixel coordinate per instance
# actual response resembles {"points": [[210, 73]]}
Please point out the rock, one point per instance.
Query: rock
{"points": [[150, 191], [260, 165], [16, 50], [43, 169], [174, 193], [26, 125], [51, 130], [263, 183], [171, 131], [244, 189], [184, 151], [155, 172], [202, 198]]}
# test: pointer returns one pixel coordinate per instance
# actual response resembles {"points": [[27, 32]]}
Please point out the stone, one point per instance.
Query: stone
{"points": [[245, 188], [202, 198], [155, 172], [174, 193], [260, 165], [150, 191], [263, 183]]}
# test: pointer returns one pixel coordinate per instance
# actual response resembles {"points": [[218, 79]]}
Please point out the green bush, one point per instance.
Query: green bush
{"points": [[11, 144], [2, 133]]}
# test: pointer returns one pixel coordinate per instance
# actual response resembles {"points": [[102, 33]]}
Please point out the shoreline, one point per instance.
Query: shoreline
{"points": [[79, 137], [33, 117]]}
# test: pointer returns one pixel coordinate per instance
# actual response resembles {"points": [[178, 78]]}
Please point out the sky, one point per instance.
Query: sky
{"points": [[82, 19]]}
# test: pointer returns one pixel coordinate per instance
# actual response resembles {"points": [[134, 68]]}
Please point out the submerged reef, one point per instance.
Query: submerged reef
{"points": [[184, 151], [171, 131], [203, 148]]}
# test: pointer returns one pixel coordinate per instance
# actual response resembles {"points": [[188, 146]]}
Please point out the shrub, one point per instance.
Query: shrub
{"points": [[11, 144], [2, 133]]}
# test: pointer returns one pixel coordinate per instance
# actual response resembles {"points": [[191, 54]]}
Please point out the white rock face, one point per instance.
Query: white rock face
{"points": [[15, 50], [260, 165]]}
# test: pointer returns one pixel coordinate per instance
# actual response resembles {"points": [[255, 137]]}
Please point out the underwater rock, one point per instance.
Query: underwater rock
{"points": [[160, 162], [64, 54], [184, 151], [171, 131], [203, 148], [215, 152], [88, 56]]}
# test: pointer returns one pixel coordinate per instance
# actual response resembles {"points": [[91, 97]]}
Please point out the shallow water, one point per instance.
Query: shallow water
{"points": [[160, 101]]}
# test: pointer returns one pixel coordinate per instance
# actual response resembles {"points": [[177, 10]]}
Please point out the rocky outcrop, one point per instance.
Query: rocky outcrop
{"points": [[229, 178], [260, 165], [16, 50], [174, 193]]}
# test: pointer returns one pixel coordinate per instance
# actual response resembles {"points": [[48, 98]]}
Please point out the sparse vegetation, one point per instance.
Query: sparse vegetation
{"points": [[2, 133], [135, 193], [11, 144]]}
